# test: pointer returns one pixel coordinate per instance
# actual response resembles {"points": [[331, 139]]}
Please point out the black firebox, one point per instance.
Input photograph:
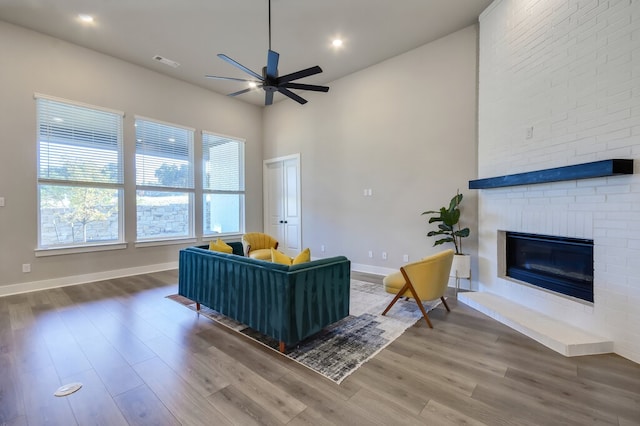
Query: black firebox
{"points": [[563, 265]]}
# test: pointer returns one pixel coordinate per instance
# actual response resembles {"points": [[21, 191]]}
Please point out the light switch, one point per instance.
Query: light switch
{"points": [[1, 201]]}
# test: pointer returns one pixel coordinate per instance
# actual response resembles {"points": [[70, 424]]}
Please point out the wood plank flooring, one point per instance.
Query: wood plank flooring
{"points": [[146, 360]]}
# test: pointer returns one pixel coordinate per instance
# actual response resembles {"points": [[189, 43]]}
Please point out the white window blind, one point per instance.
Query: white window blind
{"points": [[164, 181], [164, 155], [223, 184], [223, 163], [78, 144]]}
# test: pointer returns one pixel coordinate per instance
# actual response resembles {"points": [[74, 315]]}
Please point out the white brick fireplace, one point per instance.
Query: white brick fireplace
{"points": [[569, 70]]}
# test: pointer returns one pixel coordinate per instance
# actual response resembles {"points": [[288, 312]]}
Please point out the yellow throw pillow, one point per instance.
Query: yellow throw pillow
{"points": [[279, 257], [304, 256], [220, 246], [283, 259]]}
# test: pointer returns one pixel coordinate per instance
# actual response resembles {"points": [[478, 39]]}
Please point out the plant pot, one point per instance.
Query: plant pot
{"points": [[461, 266]]}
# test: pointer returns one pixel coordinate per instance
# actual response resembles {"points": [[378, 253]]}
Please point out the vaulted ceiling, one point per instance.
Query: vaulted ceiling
{"points": [[192, 32]]}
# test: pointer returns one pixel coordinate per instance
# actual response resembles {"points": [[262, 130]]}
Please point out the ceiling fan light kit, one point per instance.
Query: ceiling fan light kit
{"points": [[269, 81]]}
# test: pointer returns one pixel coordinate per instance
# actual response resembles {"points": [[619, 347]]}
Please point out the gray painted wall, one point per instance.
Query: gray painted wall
{"points": [[406, 129], [32, 62]]}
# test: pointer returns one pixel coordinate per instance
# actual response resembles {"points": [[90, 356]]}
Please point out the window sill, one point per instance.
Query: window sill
{"points": [[225, 237], [44, 252], [154, 243]]}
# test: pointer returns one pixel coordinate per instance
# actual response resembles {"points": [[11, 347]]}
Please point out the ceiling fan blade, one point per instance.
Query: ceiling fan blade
{"points": [[305, 87], [240, 66], [240, 92], [299, 74], [268, 97], [272, 64], [215, 77], [292, 95]]}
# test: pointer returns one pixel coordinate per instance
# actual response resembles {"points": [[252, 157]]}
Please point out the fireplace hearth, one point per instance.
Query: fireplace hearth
{"points": [[559, 264]]}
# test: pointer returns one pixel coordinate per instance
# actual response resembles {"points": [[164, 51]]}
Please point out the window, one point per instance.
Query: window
{"points": [[80, 179], [164, 180], [223, 184]]}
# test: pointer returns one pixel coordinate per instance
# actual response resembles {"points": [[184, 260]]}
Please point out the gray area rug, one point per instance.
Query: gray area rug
{"points": [[338, 350]]}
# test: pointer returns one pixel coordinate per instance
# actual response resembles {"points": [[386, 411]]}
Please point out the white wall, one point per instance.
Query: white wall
{"points": [[31, 62], [404, 128], [570, 69]]}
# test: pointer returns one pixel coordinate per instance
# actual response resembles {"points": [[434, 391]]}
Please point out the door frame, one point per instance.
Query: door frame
{"points": [[265, 190]]}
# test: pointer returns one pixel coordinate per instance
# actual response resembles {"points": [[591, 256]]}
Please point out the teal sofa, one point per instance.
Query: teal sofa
{"points": [[287, 303]]}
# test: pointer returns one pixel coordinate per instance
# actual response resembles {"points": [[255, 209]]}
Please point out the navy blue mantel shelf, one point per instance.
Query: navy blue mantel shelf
{"points": [[596, 169]]}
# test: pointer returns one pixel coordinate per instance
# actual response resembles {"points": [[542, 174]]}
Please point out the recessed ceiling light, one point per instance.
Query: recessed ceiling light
{"points": [[85, 18], [336, 42]]}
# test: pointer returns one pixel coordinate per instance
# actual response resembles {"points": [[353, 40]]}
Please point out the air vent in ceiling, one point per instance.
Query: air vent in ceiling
{"points": [[172, 64]]}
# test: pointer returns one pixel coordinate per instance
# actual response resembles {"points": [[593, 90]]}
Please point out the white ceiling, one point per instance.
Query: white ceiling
{"points": [[192, 32]]}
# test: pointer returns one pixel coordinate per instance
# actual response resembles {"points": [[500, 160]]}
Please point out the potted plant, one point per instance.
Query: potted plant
{"points": [[448, 219]]}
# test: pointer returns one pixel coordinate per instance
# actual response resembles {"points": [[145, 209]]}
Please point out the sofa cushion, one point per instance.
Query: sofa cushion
{"points": [[220, 246], [281, 258], [302, 257], [261, 254]]}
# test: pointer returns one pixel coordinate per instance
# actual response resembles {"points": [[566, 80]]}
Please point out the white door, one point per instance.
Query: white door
{"points": [[282, 202]]}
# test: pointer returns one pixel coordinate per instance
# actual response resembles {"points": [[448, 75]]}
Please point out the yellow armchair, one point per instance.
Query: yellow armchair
{"points": [[422, 281], [258, 245]]}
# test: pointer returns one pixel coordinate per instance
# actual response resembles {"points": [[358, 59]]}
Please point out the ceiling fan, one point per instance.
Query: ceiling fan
{"points": [[269, 80]]}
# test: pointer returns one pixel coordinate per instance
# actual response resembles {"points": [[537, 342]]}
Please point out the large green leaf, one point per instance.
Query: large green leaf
{"points": [[462, 233], [443, 240], [455, 201]]}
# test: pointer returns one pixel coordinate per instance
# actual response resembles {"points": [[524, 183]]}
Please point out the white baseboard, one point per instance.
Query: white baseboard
{"points": [[379, 270], [370, 269], [83, 279]]}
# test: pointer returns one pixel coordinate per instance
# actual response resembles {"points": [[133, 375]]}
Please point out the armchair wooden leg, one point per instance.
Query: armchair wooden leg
{"points": [[197, 306], [282, 347], [419, 302], [444, 302], [395, 299]]}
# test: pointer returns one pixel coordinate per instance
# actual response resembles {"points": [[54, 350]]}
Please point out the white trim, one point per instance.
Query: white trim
{"points": [[153, 243], [83, 279], [380, 270], [166, 123], [222, 135], [76, 103], [235, 237], [44, 252], [285, 158], [370, 269]]}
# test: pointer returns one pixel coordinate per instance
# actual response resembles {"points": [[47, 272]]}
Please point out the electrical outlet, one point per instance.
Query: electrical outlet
{"points": [[26, 267], [370, 254], [384, 255], [1, 201], [529, 134], [405, 257]]}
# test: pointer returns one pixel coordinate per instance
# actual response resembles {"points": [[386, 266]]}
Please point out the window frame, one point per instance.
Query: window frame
{"points": [[80, 247], [190, 191], [241, 192]]}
